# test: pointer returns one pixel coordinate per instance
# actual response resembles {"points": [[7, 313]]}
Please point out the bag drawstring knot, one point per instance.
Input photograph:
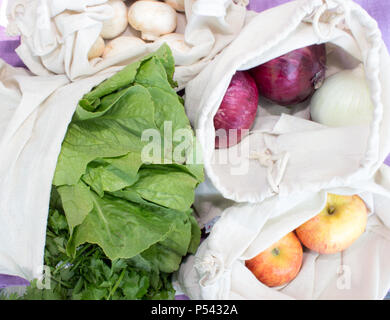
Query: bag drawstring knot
{"points": [[336, 10], [273, 163], [210, 268]]}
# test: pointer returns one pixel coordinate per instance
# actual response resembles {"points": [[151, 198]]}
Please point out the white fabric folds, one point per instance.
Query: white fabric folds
{"points": [[57, 35]]}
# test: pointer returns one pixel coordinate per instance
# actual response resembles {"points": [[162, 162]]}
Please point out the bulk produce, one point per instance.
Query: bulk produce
{"points": [[286, 80], [179, 47], [337, 226], [237, 111], [118, 23], [280, 263], [121, 44], [292, 77], [344, 99], [97, 48], [155, 20], [119, 226], [340, 223], [152, 18]]}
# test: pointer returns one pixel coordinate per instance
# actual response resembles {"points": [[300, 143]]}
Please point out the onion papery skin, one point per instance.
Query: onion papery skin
{"points": [[237, 110], [343, 100], [293, 77]]}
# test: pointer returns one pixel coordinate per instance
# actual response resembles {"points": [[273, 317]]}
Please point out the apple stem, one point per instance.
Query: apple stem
{"points": [[275, 251], [331, 210]]}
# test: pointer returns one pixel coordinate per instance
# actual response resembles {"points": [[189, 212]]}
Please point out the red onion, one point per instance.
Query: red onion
{"points": [[293, 77], [237, 110]]}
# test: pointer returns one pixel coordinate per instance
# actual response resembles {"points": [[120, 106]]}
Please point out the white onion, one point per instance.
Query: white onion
{"points": [[343, 100]]}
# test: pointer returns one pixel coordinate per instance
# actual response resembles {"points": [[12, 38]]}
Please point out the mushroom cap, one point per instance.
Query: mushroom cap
{"points": [[178, 5], [121, 44], [152, 18], [118, 23], [97, 48]]}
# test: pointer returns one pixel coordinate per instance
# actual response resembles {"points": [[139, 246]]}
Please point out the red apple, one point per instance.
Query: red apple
{"points": [[280, 263], [337, 226]]}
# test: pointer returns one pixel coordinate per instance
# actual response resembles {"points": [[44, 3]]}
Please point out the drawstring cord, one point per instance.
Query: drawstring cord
{"points": [[340, 12], [273, 163], [210, 268]]}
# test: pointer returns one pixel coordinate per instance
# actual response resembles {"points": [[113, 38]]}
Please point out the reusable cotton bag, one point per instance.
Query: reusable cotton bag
{"points": [[278, 177], [286, 153], [35, 113], [38, 103], [218, 270], [57, 35]]}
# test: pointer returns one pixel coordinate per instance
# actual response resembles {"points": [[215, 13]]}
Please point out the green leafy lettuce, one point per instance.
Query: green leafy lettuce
{"points": [[122, 225]]}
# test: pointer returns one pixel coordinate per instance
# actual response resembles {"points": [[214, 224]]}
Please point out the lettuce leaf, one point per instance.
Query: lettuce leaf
{"points": [[129, 223], [124, 229]]}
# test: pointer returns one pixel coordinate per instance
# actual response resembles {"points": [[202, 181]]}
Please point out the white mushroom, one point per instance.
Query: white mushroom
{"points": [[176, 42], [180, 49], [97, 48], [152, 18], [178, 5], [118, 23], [124, 45]]}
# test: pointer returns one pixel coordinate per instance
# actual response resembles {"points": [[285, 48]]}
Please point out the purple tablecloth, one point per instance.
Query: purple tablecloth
{"points": [[7, 49], [378, 9]]}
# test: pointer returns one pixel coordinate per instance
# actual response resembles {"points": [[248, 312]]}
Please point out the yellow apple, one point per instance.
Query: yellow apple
{"points": [[337, 226], [280, 263]]}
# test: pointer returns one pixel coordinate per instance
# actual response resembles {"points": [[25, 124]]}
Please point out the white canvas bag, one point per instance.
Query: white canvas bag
{"points": [[285, 153], [218, 270], [57, 35], [37, 105], [34, 115]]}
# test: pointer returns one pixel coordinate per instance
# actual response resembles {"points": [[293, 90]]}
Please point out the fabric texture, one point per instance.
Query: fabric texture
{"points": [[343, 160], [378, 9], [60, 44]]}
